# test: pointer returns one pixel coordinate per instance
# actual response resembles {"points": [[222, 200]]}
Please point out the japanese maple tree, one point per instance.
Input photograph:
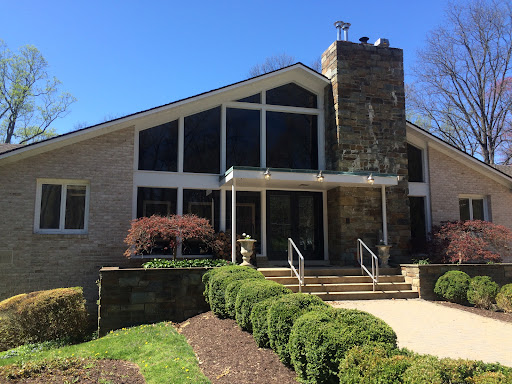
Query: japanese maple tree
{"points": [[166, 233], [471, 241]]}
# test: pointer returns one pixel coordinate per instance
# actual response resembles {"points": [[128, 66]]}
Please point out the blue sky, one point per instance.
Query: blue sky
{"points": [[121, 57]]}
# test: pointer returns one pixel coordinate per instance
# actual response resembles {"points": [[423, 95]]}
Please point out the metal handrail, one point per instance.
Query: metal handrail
{"points": [[374, 274], [300, 273]]}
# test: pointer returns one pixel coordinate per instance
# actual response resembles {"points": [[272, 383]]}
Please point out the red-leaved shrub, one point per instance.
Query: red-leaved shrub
{"points": [[470, 241], [158, 234]]}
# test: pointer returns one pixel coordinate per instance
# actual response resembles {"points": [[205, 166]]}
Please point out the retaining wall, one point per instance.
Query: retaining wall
{"points": [[136, 296], [423, 277]]}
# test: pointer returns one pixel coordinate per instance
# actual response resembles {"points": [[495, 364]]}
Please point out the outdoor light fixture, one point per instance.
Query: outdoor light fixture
{"points": [[370, 180], [320, 177], [267, 175]]}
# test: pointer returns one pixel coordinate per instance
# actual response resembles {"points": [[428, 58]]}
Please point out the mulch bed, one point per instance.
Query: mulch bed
{"points": [[507, 317], [86, 372], [229, 355]]}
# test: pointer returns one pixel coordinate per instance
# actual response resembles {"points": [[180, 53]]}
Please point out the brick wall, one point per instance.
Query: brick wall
{"points": [[138, 296], [365, 131], [423, 277], [449, 178], [43, 261]]}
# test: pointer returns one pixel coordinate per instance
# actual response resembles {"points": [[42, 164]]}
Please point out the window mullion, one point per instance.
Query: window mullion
{"points": [[470, 209], [63, 195]]}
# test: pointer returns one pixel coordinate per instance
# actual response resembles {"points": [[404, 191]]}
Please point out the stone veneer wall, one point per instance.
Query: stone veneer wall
{"points": [[423, 277], [33, 261], [136, 296], [365, 131]]}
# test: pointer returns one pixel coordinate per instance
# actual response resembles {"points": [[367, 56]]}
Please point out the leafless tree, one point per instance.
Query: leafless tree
{"points": [[272, 63], [463, 78]]}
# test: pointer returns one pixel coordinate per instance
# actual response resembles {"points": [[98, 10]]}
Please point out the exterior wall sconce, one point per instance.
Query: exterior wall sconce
{"points": [[370, 180], [399, 178], [267, 175], [320, 177]]}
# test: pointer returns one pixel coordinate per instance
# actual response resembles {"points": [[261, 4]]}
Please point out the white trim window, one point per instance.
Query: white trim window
{"points": [[473, 207], [62, 206]]}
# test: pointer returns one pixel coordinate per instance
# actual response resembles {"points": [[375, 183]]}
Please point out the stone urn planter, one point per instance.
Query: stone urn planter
{"points": [[383, 254], [247, 249]]}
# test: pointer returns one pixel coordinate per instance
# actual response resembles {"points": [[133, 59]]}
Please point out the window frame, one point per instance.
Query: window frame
{"points": [[475, 197], [64, 183]]}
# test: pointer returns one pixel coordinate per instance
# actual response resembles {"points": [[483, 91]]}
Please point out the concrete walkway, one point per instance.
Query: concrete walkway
{"points": [[426, 327]]}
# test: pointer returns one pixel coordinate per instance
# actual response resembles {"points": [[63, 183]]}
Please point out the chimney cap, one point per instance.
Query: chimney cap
{"points": [[382, 43], [364, 40]]}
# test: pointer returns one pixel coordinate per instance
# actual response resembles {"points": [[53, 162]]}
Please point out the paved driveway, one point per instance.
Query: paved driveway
{"points": [[426, 327]]}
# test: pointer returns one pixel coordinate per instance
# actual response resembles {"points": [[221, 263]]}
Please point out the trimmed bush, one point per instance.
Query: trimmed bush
{"points": [[43, 316], [281, 316], [252, 292], [453, 286], [219, 281], [259, 321], [424, 370], [230, 296], [493, 378], [320, 338], [482, 291], [210, 273], [370, 364], [504, 298]]}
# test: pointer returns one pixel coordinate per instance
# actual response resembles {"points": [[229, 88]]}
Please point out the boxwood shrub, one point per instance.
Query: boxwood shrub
{"points": [[453, 286], [230, 296], [281, 316], [320, 339], [252, 292], [43, 316], [219, 281], [259, 321], [482, 291], [210, 273], [504, 298]]}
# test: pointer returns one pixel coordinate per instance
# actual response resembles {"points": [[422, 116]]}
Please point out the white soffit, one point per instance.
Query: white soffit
{"points": [[456, 154]]}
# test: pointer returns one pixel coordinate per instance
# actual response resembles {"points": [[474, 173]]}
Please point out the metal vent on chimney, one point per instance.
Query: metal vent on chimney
{"points": [[341, 25], [382, 43]]}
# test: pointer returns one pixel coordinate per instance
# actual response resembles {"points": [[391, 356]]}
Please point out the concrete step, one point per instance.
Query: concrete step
{"points": [[366, 295], [357, 287], [325, 271], [290, 280]]}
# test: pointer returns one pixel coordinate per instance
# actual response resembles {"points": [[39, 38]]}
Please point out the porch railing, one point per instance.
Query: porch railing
{"points": [[300, 272], [374, 273]]}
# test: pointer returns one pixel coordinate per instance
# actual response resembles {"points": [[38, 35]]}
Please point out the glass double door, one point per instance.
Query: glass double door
{"points": [[297, 215]]}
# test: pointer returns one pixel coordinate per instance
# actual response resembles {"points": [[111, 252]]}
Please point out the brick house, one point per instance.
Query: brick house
{"points": [[323, 159]]}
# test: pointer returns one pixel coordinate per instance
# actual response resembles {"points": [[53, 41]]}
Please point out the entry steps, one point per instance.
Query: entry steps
{"points": [[332, 283]]}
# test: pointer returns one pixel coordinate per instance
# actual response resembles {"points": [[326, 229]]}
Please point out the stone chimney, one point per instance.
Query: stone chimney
{"points": [[365, 132]]}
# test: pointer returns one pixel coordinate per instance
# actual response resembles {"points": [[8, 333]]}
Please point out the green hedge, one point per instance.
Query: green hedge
{"points": [[230, 296], [220, 279], [210, 273], [320, 339], [378, 364], [42, 316], [252, 292], [482, 291], [281, 316], [185, 263], [504, 298], [453, 286], [259, 321]]}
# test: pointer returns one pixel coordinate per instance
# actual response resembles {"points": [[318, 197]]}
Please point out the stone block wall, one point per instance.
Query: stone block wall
{"points": [[423, 277], [35, 261], [137, 296], [366, 132]]}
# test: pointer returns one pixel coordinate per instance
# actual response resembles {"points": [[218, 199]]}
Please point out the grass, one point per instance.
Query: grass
{"points": [[162, 354]]}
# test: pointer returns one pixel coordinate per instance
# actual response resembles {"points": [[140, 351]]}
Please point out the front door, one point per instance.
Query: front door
{"points": [[297, 215]]}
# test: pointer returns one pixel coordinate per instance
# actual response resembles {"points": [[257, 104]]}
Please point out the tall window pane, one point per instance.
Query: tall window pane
{"points": [[158, 148], [50, 206], [205, 204], [464, 209], [478, 209], [156, 201], [292, 140], [248, 215], [243, 137], [75, 207], [415, 163], [202, 142], [291, 95]]}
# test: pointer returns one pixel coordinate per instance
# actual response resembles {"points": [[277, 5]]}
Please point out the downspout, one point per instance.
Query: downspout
{"points": [[384, 215]]}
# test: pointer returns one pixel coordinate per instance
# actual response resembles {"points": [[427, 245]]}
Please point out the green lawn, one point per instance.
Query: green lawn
{"points": [[162, 354]]}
